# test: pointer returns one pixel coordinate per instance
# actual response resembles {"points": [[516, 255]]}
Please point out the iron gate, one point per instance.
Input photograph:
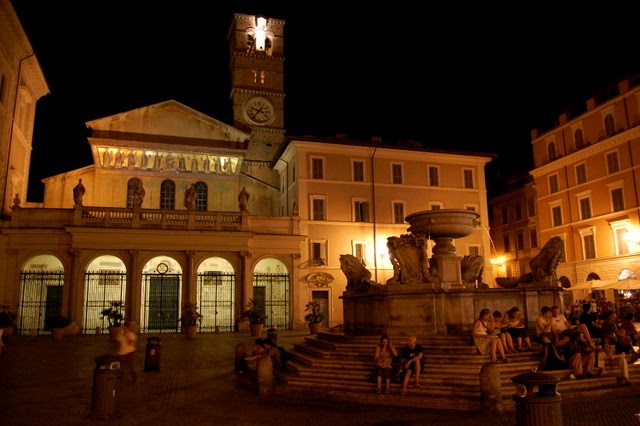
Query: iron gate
{"points": [[101, 288], [40, 300], [216, 295], [161, 293], [272, 290]]}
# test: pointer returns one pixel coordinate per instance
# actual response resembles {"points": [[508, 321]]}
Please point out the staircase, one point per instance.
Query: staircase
{"points": [[338, 365]]}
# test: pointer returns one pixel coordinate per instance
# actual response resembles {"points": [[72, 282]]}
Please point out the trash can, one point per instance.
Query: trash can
{"points": [[106, 386], [538, 402], [272, 334], [152, 354]]}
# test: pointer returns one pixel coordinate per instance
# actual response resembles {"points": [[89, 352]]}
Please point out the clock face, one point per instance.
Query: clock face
{"points": [[258, 111]]}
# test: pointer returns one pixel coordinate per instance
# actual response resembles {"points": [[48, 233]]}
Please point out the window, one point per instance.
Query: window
{"points": [[585, 208], [588, 246], [318, 250], [467, 175], [317, 168], [434, 178], [360, 211], [505, 216], [474, 250], [132, 185], [578, 138], [553, 184], [612, 162], [531, 207], [620, 236], [398, 212], [551, 151], [436, 205], [359, 249], [168, 195], [318, 207], [471, 207], [581, 173], [202, 196], [396, 174], [358, 171], [518, 210], [520, 240], [556, 215], [609, 126], [617, 200], [507, 244], [533, 238]]}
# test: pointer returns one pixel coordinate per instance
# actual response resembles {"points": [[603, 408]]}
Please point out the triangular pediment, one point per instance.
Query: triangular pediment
{"points": [[165, 119]]}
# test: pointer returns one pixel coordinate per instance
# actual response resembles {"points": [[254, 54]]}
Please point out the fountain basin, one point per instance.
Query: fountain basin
{"points": [[445, 223]]}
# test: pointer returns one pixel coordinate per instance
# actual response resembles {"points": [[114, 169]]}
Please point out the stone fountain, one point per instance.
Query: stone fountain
{"points": [[441, 294]]}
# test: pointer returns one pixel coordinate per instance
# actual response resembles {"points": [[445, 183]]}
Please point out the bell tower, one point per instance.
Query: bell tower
{"points": [[256, 46]]}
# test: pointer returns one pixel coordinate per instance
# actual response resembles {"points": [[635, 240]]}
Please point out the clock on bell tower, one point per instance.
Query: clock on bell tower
{"points": [[257, 81]]}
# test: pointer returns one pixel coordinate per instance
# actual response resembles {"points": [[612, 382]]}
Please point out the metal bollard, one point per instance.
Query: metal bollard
{"points": [[541, 408], [152, 354], [265, 376], [106, 386]]}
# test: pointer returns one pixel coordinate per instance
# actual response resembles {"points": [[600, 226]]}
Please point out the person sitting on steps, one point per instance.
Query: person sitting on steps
{"points": [[411, 362], [483, 337]]}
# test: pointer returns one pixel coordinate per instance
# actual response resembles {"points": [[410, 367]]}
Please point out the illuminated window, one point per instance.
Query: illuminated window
{"points": [[359, 251], [168, 195], [553, 184], [467, 176], [620, 229], [612, 162], [202, 196], [318, 250], [396, 174], [434, 176], [358, 171], [581, 173]]}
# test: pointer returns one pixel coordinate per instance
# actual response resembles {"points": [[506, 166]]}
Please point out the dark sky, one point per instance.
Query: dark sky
{"points": [[463, 77]]}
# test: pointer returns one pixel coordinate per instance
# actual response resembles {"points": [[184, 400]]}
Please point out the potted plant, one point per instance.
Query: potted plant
{"points": [[114, 316], [313, 317], [190, 319], [56, 325], [256, 316], [7, 321]]}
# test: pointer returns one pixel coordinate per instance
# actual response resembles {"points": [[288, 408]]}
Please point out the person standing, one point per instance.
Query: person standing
{"points": [[383, 357], [127, 341], [411, 362]]}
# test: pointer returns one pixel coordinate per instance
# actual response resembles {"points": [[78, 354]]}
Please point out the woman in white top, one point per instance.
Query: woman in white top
{"points": [[483, 337]]}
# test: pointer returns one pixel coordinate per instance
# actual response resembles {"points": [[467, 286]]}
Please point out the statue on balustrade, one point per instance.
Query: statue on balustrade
{"points": [[190, 196], [78, 193]]}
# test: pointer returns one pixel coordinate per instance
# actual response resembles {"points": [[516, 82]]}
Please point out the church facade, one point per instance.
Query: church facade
{"points": [[180, 207]]}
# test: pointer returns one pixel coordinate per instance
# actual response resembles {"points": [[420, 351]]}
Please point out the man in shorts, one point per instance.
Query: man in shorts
{"points": [[411, 362]]}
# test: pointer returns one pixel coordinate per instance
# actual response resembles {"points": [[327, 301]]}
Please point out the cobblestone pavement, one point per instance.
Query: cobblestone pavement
{"points": [[50, 383]]}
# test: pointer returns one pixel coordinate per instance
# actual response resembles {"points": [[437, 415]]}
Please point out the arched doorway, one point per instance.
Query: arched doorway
{"points": [[161, 289], [216, 294], [41, 286], [271, 284], [105, 281]]}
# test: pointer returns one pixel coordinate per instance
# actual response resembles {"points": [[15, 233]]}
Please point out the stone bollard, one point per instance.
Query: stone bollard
{"points": [[490, 389], [265, 375], [241, 362], [538, 402]]}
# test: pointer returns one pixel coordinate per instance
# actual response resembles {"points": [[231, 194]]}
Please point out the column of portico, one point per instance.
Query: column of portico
{"points": [[72, 301], [191, 287], [245, 286], [134, 288]]}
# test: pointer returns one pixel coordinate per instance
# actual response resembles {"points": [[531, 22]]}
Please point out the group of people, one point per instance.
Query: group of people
{"points": [[410, 363], [496, 334], [576, 345]]}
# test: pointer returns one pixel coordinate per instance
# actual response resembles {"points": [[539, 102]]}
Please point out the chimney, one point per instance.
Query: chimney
{"points": [[564, 117], [341, 136], [376, 139], [591, 103], [623, 86], [535, 133]]}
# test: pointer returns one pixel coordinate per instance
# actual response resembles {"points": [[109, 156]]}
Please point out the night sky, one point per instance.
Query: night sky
{"points": [[475, 78]]}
